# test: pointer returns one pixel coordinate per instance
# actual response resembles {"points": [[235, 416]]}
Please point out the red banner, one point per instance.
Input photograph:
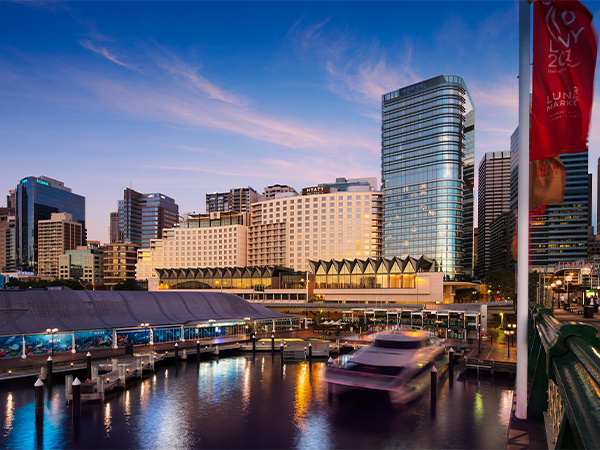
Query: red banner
{"points": [[565, 45]]}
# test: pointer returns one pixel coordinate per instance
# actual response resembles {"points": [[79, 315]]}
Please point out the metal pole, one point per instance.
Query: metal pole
{"points": [[49, 370], [198, 350], [76, 397], [39, 398], [433, 388], [88, 359], [451, 366], [523, 208]]}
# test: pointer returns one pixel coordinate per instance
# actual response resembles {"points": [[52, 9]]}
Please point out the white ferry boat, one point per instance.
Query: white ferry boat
{"points": [[398, 362]]}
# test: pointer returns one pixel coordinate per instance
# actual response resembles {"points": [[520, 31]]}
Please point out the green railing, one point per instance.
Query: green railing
{"points": [[564, 375]]}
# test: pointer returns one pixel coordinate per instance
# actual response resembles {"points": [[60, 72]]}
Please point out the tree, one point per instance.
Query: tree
{"points": [[534, 282], [502, 284]]}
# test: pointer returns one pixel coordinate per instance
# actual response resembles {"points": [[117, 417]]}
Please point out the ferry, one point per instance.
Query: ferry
{"points": [[397, 362]]}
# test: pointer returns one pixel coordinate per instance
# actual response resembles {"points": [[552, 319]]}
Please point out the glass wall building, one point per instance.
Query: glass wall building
{"points": [[427, 146], [561, 233], [142, 217], [36, 199]]}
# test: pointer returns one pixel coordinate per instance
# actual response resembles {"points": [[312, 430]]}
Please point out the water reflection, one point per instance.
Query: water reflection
{"points": [[235, 404], [10, 406]]}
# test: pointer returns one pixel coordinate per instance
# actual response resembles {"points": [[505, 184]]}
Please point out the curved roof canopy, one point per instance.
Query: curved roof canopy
{"points": [[34, 311]]}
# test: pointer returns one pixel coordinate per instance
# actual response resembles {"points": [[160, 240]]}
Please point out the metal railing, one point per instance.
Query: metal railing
{"points": [[564, 371]]}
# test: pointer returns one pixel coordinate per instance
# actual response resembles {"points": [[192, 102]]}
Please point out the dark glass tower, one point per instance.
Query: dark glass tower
{"points": [[36, 199], [427, 172]]}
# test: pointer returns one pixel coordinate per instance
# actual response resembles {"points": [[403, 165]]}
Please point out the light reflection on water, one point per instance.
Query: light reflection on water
{"points": [[239, 402]]}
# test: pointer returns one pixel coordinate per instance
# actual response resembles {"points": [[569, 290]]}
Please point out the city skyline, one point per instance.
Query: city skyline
{"points": [[192, 98]]}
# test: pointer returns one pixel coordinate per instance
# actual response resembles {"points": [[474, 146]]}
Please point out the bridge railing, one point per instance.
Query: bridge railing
{"points": [[564, 370]]}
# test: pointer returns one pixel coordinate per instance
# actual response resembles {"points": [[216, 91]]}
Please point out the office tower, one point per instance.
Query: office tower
{"points": [[55, 236], [320, 224], [468, 191], [119, 263], [561, 233], [202, 240], [236, 200], [500, 239], [36, 199], [351, 184], [494, 199], [274, 190], [85, 263], [7, 235], [114, 228], [598, 197], [424, 147], [143, 216]]}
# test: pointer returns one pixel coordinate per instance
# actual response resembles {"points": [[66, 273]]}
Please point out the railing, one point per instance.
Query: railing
{"points": [[564, 370]]}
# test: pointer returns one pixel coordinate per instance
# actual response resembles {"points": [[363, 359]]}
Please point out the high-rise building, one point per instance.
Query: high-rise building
{"points": [[494, 199], [114, 228], [202, 240], [498, 252], [143, 216], [236, 200], [425, 135], [320, 224], [85, 263], [271, 192], [119, 263], [561, 233], [7, 235], [468, 191], [55, 236], [36, 199]]}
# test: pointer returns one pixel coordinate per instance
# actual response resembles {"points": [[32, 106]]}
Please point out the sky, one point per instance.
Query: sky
{"points": [[187, 98]]}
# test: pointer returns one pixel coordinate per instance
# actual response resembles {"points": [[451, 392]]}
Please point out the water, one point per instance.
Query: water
{"points": [[236, 402]]}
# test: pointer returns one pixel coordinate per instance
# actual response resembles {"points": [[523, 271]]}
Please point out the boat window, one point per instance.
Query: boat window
{"points": [[377, 370], [407, 345]]}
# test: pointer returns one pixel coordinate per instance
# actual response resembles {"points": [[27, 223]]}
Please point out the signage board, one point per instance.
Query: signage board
{"points": [[316, 190]]}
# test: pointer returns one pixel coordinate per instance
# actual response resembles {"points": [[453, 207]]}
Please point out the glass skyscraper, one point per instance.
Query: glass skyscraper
{"points": [[561, 233], [36, 199], [427, 170]]}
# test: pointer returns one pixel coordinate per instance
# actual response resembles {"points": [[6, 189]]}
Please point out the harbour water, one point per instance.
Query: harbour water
{"points": [[241, 402]]}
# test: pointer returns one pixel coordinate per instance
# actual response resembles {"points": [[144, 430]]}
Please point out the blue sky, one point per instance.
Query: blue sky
{"points": [[186, 98]]}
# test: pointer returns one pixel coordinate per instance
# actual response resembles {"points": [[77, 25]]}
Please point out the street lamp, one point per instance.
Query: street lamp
{"points": [[568, 279], [585, 271], [510, 332], [52, 332], [553, 285], [145, 325]]}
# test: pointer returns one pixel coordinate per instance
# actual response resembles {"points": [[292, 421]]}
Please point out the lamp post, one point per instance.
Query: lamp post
{"points": [[553, 285], [510, 332], [52, 332], [145, 325], [585, 271]]}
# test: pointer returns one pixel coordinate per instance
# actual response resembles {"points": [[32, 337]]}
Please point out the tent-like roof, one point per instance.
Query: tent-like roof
{"points": [[34, 311]]}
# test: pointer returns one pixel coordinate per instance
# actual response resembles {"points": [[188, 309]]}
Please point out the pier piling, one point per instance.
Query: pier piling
{"points": [[94, 372], [273, 343], [198, 350], [253, 343], [49, 370], [39, 398], [76, 397], [184, 355], [115, 364], [433, 389], [451, 366], [43, 373], [310, 352], [88, 360], [122, 378], [176, 353], [68, 389]]}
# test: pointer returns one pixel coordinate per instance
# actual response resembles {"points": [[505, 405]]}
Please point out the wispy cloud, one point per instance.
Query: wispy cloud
{"points": [[356, 71], [116, 58]]}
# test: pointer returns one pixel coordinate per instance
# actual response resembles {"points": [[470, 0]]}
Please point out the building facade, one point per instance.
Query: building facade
{"points": [[236, 200], [143, 217], [494, 200], [560, 234], [85, 263], [36, 199], [468, 194], [275, 190], [500, 240], [8, 235], [114, 228], [352, 184], [327, 225], [424, 155], [56, 236], [120, 260], [202, 240]]}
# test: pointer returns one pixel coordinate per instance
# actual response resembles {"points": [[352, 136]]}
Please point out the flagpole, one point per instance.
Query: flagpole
{"points": [[523, 211]]}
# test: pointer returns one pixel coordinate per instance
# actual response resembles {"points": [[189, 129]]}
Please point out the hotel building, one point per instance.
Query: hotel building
{"points": [[319, 224], [55, 237], [202, 240], [426, 153]]}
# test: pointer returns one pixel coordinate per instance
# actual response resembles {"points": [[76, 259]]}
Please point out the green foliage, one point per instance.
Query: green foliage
{"points": [[467, 295], [502, 283]]}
